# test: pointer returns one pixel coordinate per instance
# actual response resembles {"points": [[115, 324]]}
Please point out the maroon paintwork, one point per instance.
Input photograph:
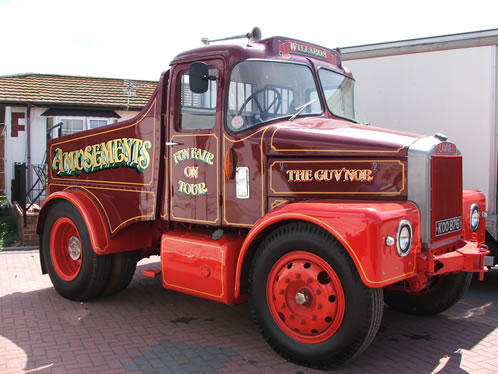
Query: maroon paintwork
{"points": [[322, 135], [124, 194], [197, 192], [330, 137]]}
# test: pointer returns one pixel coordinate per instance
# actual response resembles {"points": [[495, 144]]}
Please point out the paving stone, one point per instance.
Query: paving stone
{"points": [[132, 332]]}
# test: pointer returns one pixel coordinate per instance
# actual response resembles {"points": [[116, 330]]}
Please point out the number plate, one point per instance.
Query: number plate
{"points": [[446, 226]]}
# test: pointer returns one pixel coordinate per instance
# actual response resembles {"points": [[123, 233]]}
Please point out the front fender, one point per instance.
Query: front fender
{"points": [[360, 226], [471, 197]]}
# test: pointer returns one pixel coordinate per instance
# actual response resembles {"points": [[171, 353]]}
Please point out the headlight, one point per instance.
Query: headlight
{"points": [[475, 217], [404, 238]]}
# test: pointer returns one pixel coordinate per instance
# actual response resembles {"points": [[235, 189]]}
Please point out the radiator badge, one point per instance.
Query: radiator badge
{"points": [[127, 152], [446, 148]]}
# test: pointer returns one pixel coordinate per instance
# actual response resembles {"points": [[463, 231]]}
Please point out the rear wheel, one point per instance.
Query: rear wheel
{"points": [[122, 271], [442, 293], [308, 299], [77, 273]]}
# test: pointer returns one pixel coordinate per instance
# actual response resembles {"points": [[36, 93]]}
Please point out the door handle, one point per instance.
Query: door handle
{"points": [[172, 144]]}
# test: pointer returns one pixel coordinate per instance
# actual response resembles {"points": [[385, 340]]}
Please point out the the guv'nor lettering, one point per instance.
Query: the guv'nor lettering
{"points": [[449, 225]]}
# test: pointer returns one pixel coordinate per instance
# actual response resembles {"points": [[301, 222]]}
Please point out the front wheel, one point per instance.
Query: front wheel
{"points": [[308, 299], [442, 292], [77, 273]]}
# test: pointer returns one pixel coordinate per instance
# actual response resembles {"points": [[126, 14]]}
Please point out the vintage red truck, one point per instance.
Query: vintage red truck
{"points": [[250, 177]]}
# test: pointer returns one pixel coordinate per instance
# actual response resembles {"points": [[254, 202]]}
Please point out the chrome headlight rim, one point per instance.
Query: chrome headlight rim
{"points": [[402, 245], [474, 209]]}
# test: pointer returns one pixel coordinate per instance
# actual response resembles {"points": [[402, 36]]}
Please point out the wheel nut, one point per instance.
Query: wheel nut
{"points": [[281, 292], [303, 322], [302, 298], [318, 292], [298, 276], [319, 306]]}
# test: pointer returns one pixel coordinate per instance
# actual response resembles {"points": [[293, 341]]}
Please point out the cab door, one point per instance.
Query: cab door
{"points": [[193, 144]]}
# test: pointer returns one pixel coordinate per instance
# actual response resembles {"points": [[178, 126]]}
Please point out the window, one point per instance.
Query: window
{"points": [[339, 93], [70, 126], [198, 111], [94, 123], [261, 91]]}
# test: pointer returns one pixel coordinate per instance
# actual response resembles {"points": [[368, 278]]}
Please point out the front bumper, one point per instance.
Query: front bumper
{"points": [[467, 257]]}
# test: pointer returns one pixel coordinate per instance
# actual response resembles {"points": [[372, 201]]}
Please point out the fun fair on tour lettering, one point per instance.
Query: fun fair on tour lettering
{"points": [[192, 172], [128, 152], [330, 175]]}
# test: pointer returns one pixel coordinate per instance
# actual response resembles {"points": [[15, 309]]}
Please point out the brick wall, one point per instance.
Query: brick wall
{"points": [[26, 235]]}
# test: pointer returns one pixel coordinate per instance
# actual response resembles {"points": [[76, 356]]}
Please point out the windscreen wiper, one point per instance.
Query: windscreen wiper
{"points": [[301, 108]]}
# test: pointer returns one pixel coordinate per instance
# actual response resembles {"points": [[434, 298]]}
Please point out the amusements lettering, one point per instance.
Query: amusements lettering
{"points": [[126, 152]]}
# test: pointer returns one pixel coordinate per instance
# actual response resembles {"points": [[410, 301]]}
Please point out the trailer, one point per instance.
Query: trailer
{"points": [[445, 84], [248, 174]]}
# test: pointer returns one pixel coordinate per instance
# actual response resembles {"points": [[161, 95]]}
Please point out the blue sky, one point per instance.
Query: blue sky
{"points": [[138, 39]]}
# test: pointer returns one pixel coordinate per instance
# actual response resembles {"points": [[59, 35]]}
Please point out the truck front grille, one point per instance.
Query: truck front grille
{"points": [[446, 197]]}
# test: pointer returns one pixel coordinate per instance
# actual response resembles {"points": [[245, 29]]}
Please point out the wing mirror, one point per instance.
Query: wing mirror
{"points": [[199, 77]]}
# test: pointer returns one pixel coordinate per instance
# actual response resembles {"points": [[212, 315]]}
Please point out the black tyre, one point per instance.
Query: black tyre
{"points": [[77, 273], [122, 271], [443, 292], [308, 299]]}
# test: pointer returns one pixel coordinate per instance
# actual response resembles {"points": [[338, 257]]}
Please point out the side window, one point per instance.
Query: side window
{"points": [[70, 126], [198, 111]]}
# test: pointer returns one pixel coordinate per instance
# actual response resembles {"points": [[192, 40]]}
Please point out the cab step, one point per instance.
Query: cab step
{"points": [[151, 273]]}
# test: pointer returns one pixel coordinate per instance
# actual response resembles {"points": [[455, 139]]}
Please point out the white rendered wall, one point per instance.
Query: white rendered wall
{"points": [[38, 135], [15, 148], [451, 92]]}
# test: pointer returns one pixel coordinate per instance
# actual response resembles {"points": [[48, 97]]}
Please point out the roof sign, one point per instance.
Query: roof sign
{"points": [[286, 48]]}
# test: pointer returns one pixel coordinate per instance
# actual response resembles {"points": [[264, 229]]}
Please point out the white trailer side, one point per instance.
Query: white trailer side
{"points": [[446, 84]]}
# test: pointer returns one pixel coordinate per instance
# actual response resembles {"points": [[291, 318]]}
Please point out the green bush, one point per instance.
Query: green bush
{"points": [[8, 228]]}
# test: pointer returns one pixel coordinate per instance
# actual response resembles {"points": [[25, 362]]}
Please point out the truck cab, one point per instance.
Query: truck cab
{"points": [[249, 175]]}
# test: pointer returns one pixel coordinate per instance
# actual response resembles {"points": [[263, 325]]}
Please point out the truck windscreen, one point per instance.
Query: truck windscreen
{"points": [[262, 91], [339, 93]]}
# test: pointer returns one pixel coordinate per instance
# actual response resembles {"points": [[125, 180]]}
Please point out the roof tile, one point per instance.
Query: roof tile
{"points": [[73, 90]]}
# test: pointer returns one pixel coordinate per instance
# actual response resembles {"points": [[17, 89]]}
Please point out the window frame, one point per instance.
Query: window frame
{"points": [[227, 93], [325, 98], [180, 91], [86, 122]]}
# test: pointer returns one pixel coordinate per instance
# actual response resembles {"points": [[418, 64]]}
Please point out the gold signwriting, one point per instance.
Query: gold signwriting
{"points": [[128, 152], [330, 175], [193, 154], [192, 172]]}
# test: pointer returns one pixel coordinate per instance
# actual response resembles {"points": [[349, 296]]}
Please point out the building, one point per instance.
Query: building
{"points": [[32, 104], [446, 84]]}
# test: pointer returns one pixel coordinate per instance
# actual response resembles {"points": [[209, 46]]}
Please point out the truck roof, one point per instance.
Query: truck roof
{"points": [[276, 47]]}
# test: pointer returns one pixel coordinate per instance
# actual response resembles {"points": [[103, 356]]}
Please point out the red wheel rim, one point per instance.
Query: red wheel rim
{"points": [[305, 297], [65, 249]]}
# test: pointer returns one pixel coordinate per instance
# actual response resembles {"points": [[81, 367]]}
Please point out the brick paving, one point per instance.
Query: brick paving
{"points": [[147, 329]]}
